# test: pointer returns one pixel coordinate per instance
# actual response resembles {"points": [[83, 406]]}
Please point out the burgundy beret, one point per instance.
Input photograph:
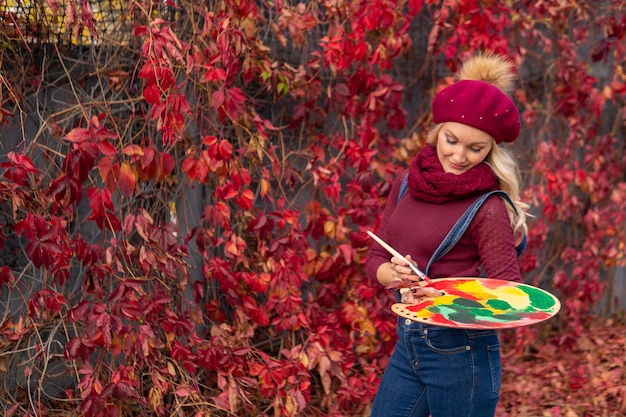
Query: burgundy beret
{"points": [[481, 105]]}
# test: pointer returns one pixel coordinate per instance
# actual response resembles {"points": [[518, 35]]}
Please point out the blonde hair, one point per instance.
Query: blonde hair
{"points": [[504, 165]]}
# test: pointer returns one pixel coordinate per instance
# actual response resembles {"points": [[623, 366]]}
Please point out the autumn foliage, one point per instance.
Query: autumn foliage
{"points": [[183, 228]]}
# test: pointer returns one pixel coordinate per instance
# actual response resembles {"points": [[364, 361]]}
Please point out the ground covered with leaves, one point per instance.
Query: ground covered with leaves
{"points": [[585, 379]]}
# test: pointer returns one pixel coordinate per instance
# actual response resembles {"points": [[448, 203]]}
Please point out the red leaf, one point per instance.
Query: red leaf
{"points": [[414, 7], [209, 140], [132, 311], [133, 150], [99, 132], [347, 251], [6, 276], [148, 165], [42, 252], [78, 312], [217, 99], [44, 242], [215, 74], [245, 199], [105, 167], [167, 165], [119, 391], [190, 167], [106, 148], [235, 102], [102, 209], [225, 150], [73, 348], [127, 179], [231, 248], [182, 392], [148, 155], [152, 94], [22, 160], [218, 214], [78, 135], [18, 168], [80, 162], [65, 191], [11, 411], [255, 312]]}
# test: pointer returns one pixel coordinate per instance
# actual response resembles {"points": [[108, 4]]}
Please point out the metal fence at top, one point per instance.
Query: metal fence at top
{"points": [[51, 21]]}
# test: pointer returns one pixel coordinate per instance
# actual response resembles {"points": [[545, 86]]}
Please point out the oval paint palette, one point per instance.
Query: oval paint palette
{"points": [[482, 303]]}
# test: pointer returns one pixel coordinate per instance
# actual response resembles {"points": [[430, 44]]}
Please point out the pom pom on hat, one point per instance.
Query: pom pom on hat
{"points": [[480, 98]]}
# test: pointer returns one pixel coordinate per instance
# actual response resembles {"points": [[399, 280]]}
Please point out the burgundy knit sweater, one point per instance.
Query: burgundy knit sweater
{"points": [[417, 228]]}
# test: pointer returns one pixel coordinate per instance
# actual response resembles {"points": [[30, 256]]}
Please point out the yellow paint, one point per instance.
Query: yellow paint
{"points": [[444, 300], [517, 298]]}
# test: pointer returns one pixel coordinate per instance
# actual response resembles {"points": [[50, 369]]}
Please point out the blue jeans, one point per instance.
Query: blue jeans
{"points": [[440, 372]]}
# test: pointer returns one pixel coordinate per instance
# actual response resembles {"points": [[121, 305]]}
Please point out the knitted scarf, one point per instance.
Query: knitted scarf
{"points": [[429, 182]]}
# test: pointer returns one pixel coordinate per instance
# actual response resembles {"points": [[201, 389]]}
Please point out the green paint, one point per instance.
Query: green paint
{"points": [[483, 312], [434, 309], [458, 314], [499, 305], [462, 317], [461, 314], [486, 315], [444, 310], [538, 298], [467, 303]]}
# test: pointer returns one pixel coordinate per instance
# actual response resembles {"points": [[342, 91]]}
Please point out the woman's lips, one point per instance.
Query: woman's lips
{"points": [[456, 167]]}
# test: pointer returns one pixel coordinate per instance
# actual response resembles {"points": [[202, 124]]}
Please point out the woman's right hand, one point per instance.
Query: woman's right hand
{"points": [[400, 275]]}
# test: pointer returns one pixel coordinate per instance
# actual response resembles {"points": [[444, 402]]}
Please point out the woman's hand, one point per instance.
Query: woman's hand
{"points": [[413, 289], [401, 272]]}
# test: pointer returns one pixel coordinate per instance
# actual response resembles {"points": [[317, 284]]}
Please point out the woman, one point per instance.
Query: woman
{"points": [[436, 371]]}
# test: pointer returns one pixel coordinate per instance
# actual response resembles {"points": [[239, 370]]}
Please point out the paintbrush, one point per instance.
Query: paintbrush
{"points": [[396, 253]]}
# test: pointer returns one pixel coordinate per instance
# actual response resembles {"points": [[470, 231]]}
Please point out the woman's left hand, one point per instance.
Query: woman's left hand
{"points": [[417, 293]]}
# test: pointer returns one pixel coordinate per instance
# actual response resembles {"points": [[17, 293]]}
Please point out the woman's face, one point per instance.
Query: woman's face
{"points": [[461, 147]]}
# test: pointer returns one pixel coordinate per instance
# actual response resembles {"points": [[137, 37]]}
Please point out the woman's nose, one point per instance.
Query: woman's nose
{"points": [[459, 156]]}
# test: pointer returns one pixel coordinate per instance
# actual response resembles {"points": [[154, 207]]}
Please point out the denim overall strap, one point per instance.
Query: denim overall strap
{"points": [[403, 186], [464, 221]]}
